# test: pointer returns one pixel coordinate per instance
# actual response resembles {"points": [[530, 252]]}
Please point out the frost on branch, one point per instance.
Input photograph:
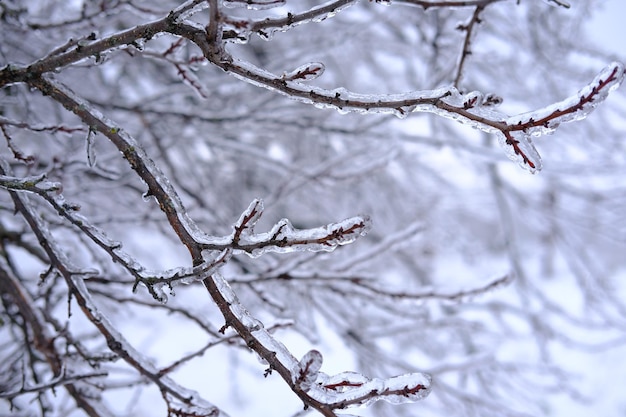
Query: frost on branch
{"points": [[283, 237]]}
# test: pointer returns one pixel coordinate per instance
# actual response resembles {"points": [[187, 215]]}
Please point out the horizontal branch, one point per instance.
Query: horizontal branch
{"points": [[283, 237], [474, 109]]}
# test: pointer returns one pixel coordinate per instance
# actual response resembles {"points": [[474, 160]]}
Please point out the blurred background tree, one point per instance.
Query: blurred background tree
{"points": [[497, 283]]}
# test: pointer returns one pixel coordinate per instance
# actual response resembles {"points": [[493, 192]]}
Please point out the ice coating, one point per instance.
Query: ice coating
{"points": [[74, 277], [518, 147], [118, 344], [557, 3], [253, 326], [306, 72], [474, 109], [35, 183], [255, 4], [283, 237], [159, 283], [308, 368], [266, 28], [351, 389], [347, 389], [187, 9], [91, 152], [576, 107]]}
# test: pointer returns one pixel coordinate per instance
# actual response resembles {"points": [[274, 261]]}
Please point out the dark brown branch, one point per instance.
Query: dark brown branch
{"points": [[246, 334], [168, 200], [13, 74], [43, 342], [79, 291]]}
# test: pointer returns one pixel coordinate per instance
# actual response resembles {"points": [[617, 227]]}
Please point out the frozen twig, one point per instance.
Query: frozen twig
{"points": [[155, 281], [266, 27], [453, 296], [60, 380], [316, 389], [74, 279], [473, 108], [427, 4], [158, 185], [283, 237]]}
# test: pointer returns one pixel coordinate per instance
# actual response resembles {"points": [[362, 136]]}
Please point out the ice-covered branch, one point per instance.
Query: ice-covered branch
{"points": [[283, 237], [44, 341], [81, 50], [158, 185], [60, 380], [74, 279], [351, 389], [314, 388], [474, 108], [427, 4], [454, 296], [241, 29], [157, 282]]}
